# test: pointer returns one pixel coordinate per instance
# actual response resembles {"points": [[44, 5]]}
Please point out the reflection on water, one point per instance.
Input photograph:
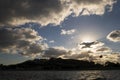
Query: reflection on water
{"points": [[60, 75]]}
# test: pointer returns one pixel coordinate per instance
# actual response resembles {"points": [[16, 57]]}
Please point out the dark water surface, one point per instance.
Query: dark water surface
{"points": [[60, 75]]}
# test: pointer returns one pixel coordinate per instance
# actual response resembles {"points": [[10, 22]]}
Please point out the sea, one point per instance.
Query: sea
{"points": [[61, 75]]}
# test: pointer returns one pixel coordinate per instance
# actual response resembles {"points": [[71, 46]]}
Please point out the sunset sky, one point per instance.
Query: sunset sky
{"points": [[76, 29]]}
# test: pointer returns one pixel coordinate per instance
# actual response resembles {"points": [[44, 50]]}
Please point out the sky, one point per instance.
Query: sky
{"points": [[72, 29]]}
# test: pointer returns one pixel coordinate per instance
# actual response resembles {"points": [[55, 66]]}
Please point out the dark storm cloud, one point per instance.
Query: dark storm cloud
{"points": [[91, 44], [16, 12], [21, 11], [103, 49], [22, 41], [54, 52], [65, 53], [114, 36], [87, 44]]}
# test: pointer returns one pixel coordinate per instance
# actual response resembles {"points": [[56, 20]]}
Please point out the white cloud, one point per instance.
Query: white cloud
{"points": [[67, 32], [114, 36], [87, 7], [52, 41]]}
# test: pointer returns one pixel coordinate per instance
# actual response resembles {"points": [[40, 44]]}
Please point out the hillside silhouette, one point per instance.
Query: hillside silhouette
{"points": [[60, 64]]}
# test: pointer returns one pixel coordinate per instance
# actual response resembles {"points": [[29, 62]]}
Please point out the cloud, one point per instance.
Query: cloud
{"points": [[93, 44], [92, 51], [114, 58], [75, 54], [92, 56], [67, 32], [87, 7], [114, 36], [100, 55], [52, 41], [14, 12], [24, 41], [104, 50], [55, 52]]}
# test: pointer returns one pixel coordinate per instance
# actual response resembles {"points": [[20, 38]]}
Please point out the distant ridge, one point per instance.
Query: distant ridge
{"points": [[60, 64]]}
